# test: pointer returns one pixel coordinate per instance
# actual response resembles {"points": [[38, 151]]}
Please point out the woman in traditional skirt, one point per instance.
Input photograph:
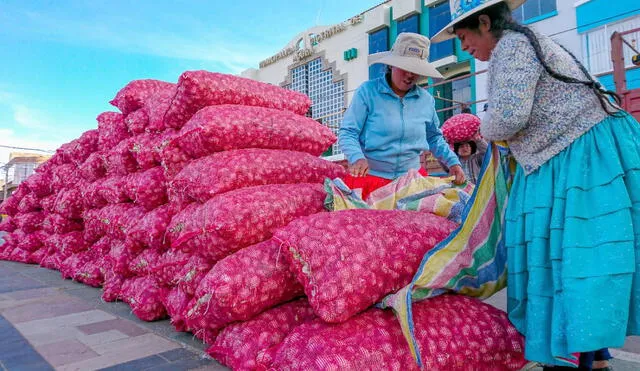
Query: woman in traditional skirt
{"points": [[572, 225]]}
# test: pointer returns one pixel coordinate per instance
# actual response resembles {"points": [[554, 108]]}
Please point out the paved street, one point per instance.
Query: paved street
{"points": [[49, 323]]}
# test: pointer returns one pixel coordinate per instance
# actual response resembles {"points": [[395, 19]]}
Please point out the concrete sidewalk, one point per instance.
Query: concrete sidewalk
{"points": [[49, 323]]}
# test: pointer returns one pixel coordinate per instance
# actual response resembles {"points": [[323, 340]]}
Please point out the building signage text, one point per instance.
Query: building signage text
{"points": [[301, 54]]}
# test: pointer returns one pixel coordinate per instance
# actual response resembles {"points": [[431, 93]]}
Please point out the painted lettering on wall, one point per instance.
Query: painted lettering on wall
{"points": [[301, 54]]}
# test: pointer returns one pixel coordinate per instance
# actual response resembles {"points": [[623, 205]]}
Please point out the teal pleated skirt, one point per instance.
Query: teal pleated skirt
{"points": [[572, 231]]}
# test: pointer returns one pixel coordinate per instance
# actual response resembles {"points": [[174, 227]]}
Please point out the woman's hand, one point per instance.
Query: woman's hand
{"points": [[456, 171], [359, 168]]}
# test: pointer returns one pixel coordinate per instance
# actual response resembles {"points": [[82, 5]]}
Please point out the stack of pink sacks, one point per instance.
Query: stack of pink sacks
{"points": [[203, 201]]}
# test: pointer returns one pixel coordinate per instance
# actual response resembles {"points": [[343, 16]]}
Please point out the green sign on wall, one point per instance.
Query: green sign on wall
{"points": [[350, 54]]}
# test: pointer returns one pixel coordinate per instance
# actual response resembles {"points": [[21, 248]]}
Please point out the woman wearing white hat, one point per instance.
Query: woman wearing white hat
{"points": [[572, 226], [391, 120]]}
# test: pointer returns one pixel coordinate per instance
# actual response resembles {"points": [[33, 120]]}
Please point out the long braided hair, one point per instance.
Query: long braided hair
{"points": [[501, 20]]}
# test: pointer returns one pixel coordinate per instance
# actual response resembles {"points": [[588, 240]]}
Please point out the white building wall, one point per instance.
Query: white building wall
{"points": [[331, 49], [562, 27]]}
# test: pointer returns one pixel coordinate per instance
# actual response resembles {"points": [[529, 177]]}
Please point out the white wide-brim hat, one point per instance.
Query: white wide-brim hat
{"points": [[409, 52], [462, 9]]}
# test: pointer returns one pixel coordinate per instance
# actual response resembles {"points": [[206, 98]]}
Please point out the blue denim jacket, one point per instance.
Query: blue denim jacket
{"points": [[391, 132]]}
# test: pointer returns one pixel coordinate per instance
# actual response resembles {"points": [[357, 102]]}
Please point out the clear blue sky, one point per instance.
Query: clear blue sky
{"points": [[61, 61]]}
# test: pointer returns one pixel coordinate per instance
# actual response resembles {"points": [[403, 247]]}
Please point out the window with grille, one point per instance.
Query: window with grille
{"points": [[327, 96], [378, 42], [439, 17], [410, 24], [596, 45]]}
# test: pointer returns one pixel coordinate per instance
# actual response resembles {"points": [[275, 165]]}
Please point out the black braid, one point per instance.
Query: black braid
{"points": [[595, 86], [501, 20]]}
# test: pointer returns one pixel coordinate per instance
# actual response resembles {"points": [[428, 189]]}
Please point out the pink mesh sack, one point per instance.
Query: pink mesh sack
{"points": [[48, 203], [148, 188], [222, 128], [37, 256], [90, 274], [244, 284], [52, 261], [173, 159], [169, 265], [112, 287], [30, 222], [40, 184], [72, 243], [156, 106], [137, 121], [349, 260], [113, 189], [7, 224], [461, 127], [141, 265], [136, 93], [225, 171], [119, 259], [192, 273], [237, 219], [55, 223], [142, 149], [119, 160], [145, 296], [65, 176], [238, 345], [71, 266], [20, 256], [198, 89], [29, 203], [111, 130], [176, 303], [118, 219], [93, 168], [453, 333], [9, 206], [94, 229], [92, 196], [32, 241], [151, 229], [77, 151], [69, 203]]}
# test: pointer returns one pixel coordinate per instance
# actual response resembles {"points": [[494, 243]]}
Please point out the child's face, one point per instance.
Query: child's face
{"points": [[464, 150]]}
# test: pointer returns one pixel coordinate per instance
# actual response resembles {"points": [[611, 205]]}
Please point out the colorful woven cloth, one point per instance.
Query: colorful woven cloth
{"points": [[411, 192], [472, 260]]}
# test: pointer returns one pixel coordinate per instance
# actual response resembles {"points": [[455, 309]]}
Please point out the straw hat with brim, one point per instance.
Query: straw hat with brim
{"points": [[410, 52], [463, 9]]}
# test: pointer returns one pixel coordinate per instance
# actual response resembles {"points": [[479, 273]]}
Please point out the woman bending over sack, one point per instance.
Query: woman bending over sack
{"points": [[573, 281], [391, 120]]}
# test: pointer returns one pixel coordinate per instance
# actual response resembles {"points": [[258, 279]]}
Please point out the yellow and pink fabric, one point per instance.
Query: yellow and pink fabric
{"points": [[412, 192]]}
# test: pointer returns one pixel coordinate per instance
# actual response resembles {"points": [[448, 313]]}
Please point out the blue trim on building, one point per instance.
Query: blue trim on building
{"points": [[633, 80], [461, 54], [393, 29], [597, 13], [541, 17]]}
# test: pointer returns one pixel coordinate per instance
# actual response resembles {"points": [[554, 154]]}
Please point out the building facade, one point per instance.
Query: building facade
{"points": [[18, 169], [596, 22], [328, 63]]}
